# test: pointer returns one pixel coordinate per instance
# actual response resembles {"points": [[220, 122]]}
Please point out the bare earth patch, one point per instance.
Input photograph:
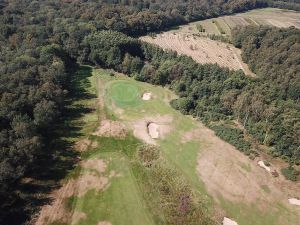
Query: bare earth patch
{"points": [[160, 127], [84, 144], [77, 216], [96, 164], [109, 128], [219, 168], [56, 210]]}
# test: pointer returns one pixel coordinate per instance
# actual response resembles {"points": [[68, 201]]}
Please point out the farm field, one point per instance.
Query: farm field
{"points": [[109, 187], [267, 17], [202, 49]]}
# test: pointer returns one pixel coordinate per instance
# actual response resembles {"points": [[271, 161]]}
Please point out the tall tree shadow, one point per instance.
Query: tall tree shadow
{"points": [[58, 157]]}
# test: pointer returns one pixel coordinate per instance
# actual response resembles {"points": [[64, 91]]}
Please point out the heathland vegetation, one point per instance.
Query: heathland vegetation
{"points": [[42, 41]]}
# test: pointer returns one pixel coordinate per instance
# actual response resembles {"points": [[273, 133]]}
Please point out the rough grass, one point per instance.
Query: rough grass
{"points": [[184, 156], [133, 195]]}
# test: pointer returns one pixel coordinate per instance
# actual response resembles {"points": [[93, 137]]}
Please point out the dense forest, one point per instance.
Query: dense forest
{"points": [[42, 41]]}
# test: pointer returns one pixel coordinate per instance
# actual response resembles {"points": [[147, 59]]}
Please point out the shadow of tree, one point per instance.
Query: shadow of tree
{"points": [[59, 157]]}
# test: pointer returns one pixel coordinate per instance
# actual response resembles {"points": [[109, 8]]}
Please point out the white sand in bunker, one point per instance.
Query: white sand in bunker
{"points": [[153, 130], [263, 165], [147, 96], [294, 201], [227, 221], [149, 129]]}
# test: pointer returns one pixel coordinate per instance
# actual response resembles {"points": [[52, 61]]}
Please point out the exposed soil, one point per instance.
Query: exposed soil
{"points": [[95, 164], [84, 144], [109, 128]]}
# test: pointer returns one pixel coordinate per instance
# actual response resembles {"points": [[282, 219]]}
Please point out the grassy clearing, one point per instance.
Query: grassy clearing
{"points": [[136, 194], [183, 156], [266, 16]]}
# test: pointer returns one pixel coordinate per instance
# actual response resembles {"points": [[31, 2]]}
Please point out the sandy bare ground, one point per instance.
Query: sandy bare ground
{"points": [[91, 178], [226, 171], [109, 128], [56, 210], [84, 144], [161, 125], [203, 50]]}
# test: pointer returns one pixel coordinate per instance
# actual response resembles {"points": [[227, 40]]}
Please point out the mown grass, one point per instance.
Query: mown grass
{"points": [[136, 195], [183, 156]]}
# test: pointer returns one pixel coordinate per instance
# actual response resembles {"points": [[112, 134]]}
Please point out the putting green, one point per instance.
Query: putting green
{"points": [[125, 94]]}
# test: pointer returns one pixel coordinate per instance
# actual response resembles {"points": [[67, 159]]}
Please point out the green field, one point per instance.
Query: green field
{"points": [[133, 197]]}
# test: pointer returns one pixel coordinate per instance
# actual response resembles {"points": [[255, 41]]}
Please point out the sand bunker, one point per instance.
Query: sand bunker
{"points": [[150, 128], [153, 130], [263, 165], [227, 221], [147, 96], [294, 201], [109, 128]]}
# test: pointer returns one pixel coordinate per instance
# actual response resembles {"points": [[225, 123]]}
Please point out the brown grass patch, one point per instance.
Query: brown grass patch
{"points": [[84, 144], [109, 128], [219, 168]]}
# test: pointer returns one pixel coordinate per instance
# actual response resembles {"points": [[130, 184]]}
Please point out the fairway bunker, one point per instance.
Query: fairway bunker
{"points": [[294, 201], [263, 165], [150, 128], [147, 96], [227, 221], [153, 130]]}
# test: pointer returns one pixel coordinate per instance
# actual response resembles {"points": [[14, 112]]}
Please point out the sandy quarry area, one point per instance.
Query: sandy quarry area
{"points": [[224, 170], [201, 49]]}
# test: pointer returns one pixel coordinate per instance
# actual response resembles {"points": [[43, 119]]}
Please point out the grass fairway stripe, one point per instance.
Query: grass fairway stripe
{"points": [[125, 94]]}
